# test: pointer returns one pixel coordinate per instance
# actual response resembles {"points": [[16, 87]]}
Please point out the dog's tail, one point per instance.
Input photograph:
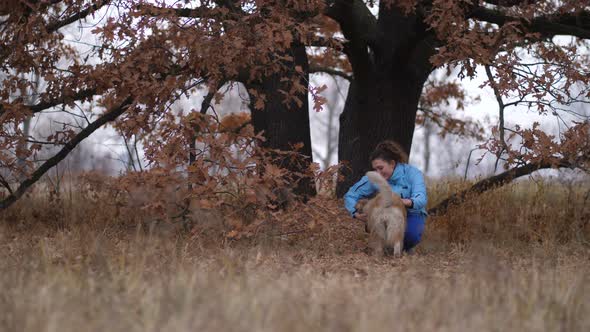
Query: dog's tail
{"points": [[384, 187]]}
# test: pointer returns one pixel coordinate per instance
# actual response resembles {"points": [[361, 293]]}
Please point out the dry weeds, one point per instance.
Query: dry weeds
{"points": [[514, 259]]}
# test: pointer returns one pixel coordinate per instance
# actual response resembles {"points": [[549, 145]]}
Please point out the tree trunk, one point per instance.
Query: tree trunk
{"points": [[390, 62], [386, 112], [286, 124]]}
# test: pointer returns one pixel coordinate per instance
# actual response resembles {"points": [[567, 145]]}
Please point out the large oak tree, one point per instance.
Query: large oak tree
{"points": [[393, 54], [148, 54]]}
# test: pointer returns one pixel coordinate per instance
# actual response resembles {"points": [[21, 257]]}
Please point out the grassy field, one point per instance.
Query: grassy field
{"points": [[517, 258]]}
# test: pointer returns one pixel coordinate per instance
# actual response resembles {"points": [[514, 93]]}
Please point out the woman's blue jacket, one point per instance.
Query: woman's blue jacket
{"points": [[406, 180]]}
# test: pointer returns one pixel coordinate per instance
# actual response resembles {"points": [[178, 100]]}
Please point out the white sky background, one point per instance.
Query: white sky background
{"points": [[448, 156]]}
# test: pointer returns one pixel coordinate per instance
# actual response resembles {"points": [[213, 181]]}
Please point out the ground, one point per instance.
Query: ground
{"points": [[303, 269]]}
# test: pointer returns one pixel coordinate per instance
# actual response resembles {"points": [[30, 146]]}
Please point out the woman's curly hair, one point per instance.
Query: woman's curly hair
{"points": [[388, 151]]}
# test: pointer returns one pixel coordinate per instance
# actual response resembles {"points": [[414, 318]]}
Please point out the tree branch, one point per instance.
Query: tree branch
{"points": [[577, 24], [232, 5], [491, 183], [318, 41], [355, 19], [504, 3], [207, 99], [359, 27], [80, 95], [63, 153], [78, 16], [198, 12], [83, 94], [5, 184], [501, 105], [330, 71]]}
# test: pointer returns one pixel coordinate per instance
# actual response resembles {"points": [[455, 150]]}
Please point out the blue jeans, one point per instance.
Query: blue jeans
{"points": [[414, 230]]}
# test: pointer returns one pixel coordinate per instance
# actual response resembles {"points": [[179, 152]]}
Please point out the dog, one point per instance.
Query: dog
{"points": [[386, 217]]}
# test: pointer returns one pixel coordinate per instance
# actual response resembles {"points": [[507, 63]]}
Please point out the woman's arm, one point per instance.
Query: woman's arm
{"points": [[362, 189], [418, 195]]}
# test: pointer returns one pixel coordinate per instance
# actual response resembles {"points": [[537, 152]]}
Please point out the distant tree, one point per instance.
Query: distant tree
{"points": [[326, 127]]}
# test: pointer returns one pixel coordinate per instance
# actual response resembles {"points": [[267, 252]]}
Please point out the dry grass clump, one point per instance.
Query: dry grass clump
{"points": [[82, 263], [524, 213]]}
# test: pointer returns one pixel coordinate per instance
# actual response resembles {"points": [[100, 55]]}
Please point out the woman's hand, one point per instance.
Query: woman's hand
{"points": [[407, 202], [360, 216]]}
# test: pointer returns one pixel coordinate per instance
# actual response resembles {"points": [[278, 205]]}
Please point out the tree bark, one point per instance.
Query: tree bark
{"points": [[390, 69], [286, 124], [386, 112]]}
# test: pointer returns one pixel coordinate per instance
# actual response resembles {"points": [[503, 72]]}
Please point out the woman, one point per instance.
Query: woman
{"points": [[390, 160]]}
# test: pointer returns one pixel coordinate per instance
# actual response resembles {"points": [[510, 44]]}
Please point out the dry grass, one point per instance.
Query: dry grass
{"points": [[513, 259]]}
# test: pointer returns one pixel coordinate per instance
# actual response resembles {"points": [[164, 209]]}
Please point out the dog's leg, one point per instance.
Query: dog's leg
{"points": [[377, 238], [393, 236], [397, 249], [377, 247]]}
